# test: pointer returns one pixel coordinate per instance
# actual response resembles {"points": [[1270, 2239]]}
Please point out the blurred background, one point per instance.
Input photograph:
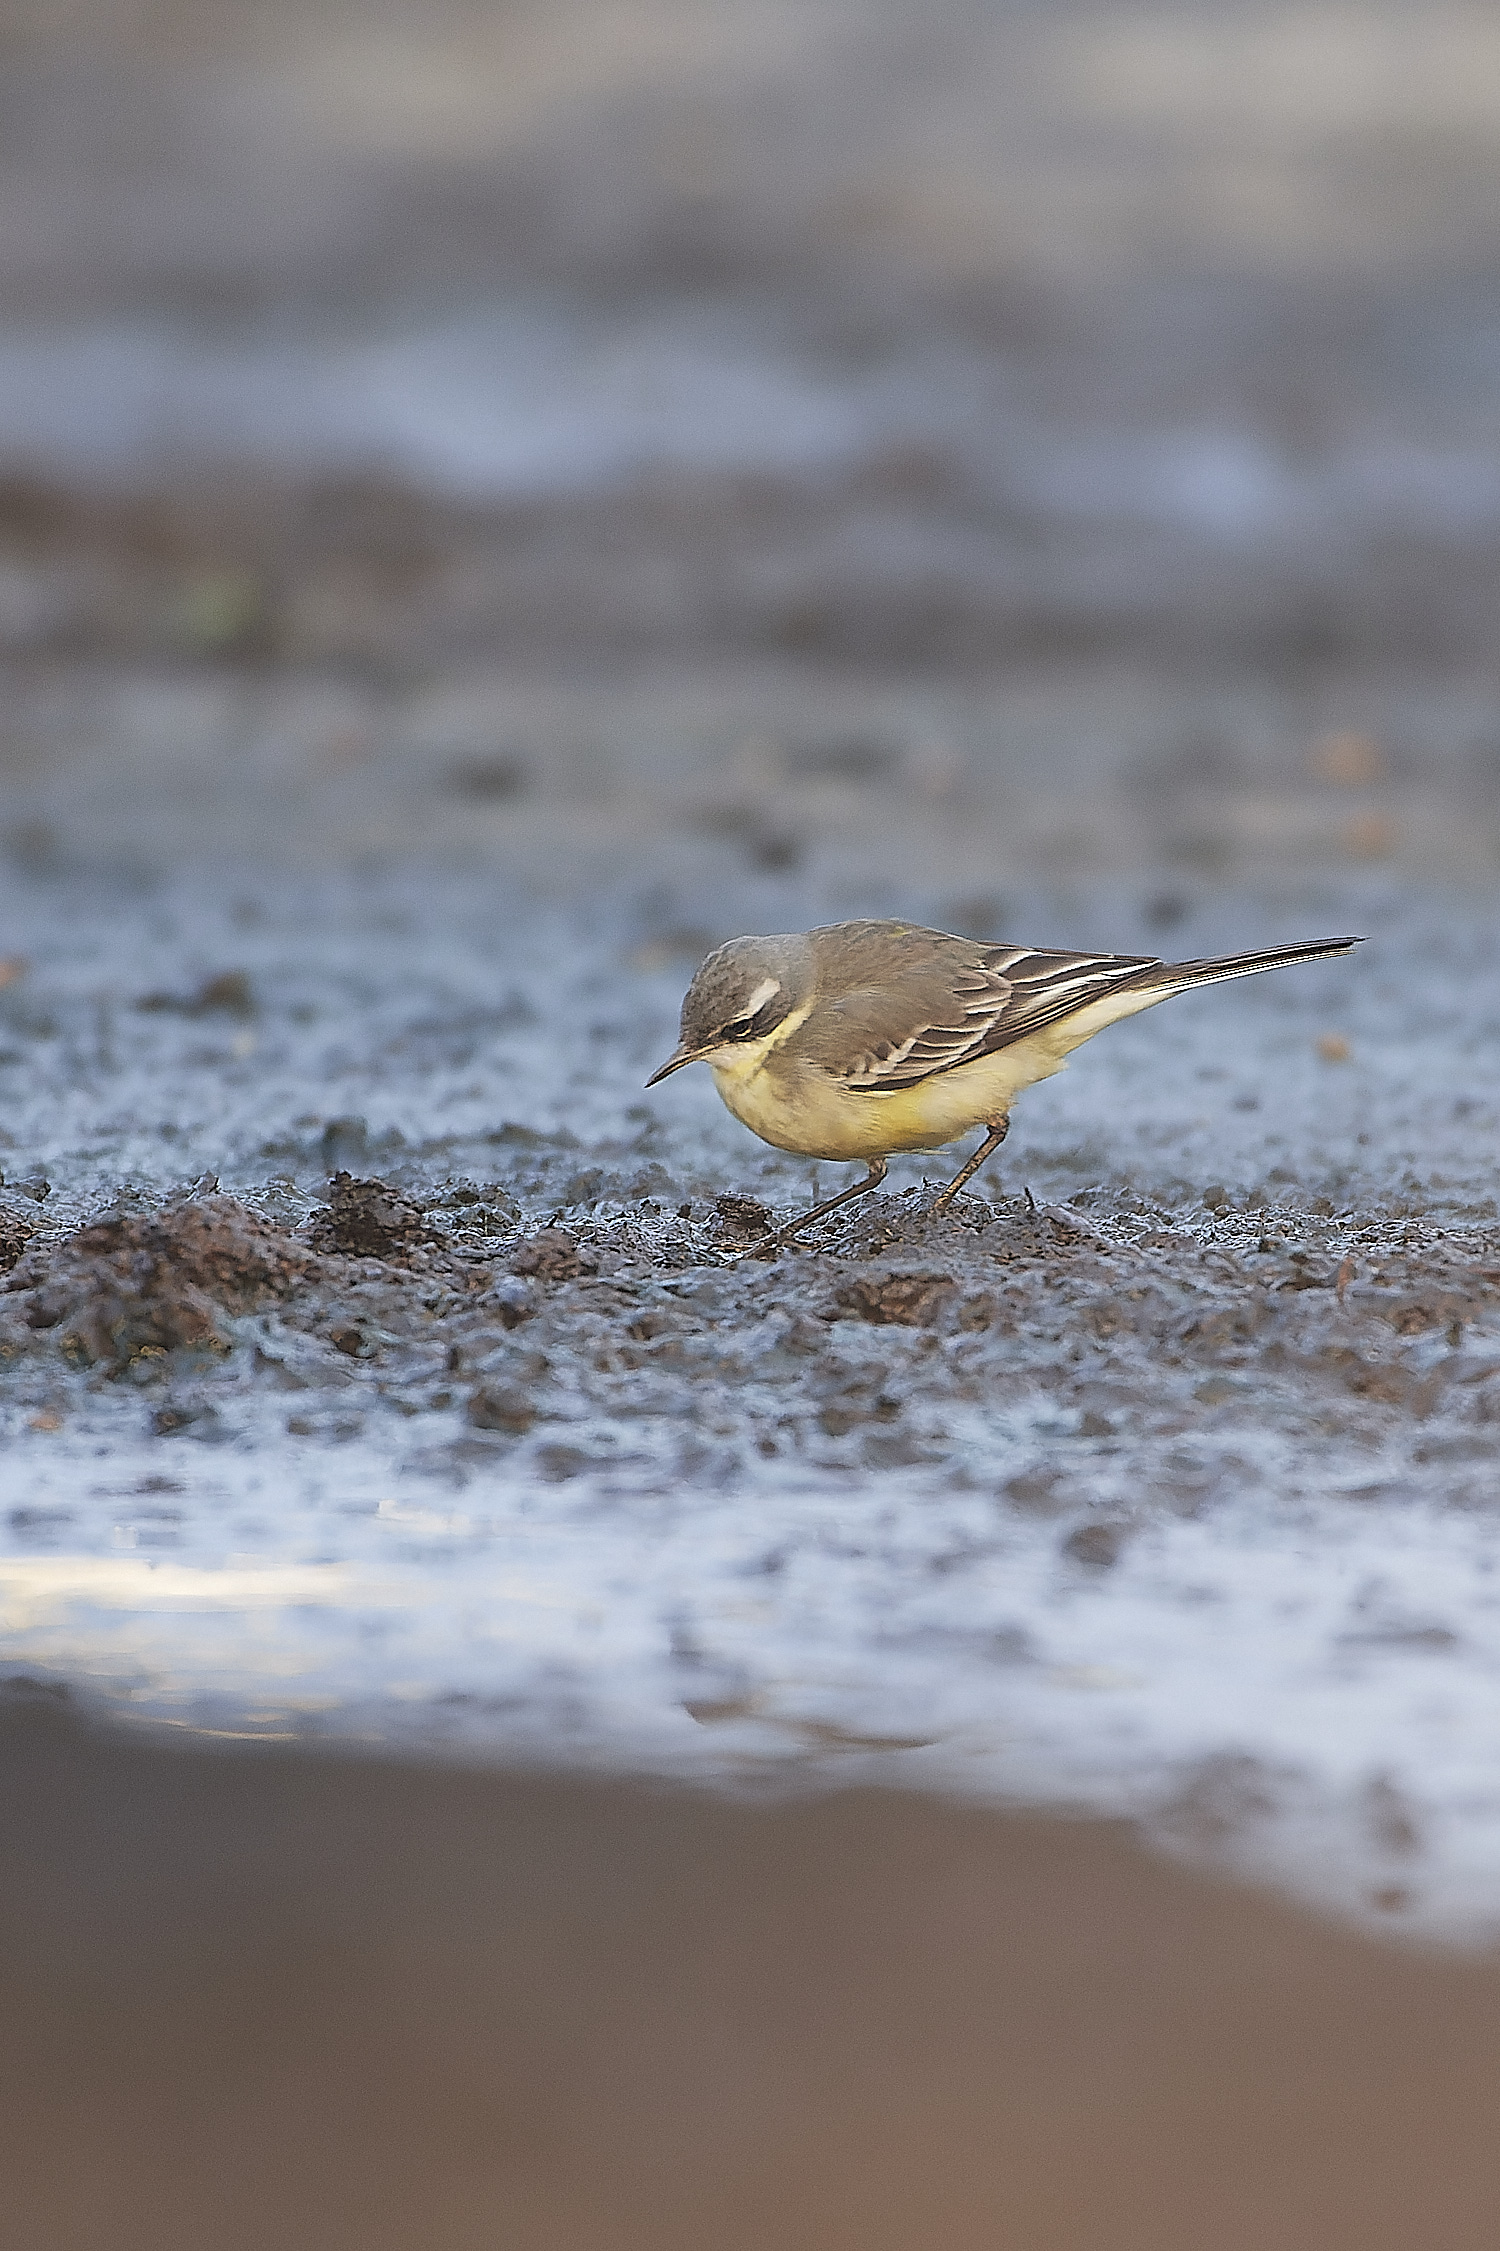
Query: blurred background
{"points": [[1059, 437]]}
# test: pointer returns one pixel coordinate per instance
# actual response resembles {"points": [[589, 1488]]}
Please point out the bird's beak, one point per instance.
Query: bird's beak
{"points": [[674, 1062]]}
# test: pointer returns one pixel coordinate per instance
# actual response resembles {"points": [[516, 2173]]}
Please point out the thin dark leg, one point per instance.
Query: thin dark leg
{"points": [[986, 1149], [872, 1179]]}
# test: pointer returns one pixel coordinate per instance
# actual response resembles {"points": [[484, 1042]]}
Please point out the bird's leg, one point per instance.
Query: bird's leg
{"points": [[872, 1179], [986, 1148]]}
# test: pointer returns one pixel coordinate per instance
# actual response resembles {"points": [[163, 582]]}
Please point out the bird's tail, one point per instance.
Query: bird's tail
{"points": [[1177, 976]]}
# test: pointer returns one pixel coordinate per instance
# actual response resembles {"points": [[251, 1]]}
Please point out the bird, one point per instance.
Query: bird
{"points": [[859, 1040]]}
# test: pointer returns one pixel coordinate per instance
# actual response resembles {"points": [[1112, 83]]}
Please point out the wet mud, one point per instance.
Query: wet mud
{"points": [[856, 1347], [378, 1359]]}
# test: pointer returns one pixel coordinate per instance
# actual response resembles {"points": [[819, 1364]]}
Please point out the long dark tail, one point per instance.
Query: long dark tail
{"points": [[1177, 976]]}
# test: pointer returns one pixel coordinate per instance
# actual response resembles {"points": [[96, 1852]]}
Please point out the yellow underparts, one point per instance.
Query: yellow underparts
{"points": [[796, 1105]]}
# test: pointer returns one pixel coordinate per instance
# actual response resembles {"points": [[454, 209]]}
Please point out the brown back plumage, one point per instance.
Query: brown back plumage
{"points": [[899, 1002]]}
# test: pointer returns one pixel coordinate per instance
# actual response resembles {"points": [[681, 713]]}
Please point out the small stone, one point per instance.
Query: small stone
{"points": [[1036, 1491], [500, 1406], [558, 1463], [228, 994], [1096, 1545], [179, 1415], [552, 1255]]}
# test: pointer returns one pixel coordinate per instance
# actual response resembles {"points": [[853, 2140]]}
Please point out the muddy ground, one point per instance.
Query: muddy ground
{"points": [[515, 1324]]}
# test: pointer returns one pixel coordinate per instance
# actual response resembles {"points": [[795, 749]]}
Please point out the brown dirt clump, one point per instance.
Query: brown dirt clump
{"points": [[500, 1406], [230, 993], [368, 1219], [553, 1255], [15, 1234], [911, 1301], [744, 1215], [1097, 1546], [147, 1284]]}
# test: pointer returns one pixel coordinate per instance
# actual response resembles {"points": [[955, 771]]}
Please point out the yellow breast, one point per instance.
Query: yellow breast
{"points": [[799, 1107], [795, 1105]]}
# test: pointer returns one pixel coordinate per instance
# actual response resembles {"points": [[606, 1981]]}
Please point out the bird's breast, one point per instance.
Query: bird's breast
{"points": [[792, 1110], [813, 1115]]}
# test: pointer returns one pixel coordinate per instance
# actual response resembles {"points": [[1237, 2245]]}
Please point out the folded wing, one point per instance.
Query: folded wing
{"points": [[899, 1033], [906, 1013]]}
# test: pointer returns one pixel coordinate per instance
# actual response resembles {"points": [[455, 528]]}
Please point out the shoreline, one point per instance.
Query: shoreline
{"points": [[256, 1996]]}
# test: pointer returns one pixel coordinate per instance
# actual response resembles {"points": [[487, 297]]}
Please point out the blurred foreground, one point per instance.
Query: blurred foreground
{"points": [[278, 1998]]}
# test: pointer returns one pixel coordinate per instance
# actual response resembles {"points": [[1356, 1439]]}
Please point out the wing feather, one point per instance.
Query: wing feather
{"points": [[892, 1013], [990, 998]]}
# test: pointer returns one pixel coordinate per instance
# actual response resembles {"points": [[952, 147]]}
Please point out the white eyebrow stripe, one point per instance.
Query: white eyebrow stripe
{"points": [[766, 990]]}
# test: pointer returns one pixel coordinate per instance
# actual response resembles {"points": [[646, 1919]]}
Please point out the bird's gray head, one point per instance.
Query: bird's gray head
{"points": [[739, 997]]}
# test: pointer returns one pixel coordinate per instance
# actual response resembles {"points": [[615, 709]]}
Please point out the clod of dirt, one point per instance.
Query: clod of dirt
{"points": [[553, 1255], [228, 994], [1040, 1492], [15, 1234], [1387, 1382], [139, 1285], [367, 1219], [480, 1210], [841, 1416], [911, 1301], [180, 1414], [500, 1406], [744, 1215], [1096, 1545]]}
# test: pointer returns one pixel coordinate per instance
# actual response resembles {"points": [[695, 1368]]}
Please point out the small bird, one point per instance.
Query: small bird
{"points": [[860, 1039]]}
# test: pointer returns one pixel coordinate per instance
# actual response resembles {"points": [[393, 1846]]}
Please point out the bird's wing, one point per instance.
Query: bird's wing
{"points": [[877, 1039]]}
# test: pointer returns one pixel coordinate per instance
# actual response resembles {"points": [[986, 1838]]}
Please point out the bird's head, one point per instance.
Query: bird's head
{"points": [[740, 998]]}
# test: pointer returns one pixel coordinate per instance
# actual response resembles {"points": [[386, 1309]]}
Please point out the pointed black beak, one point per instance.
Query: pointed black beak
{"points": [[675, 1062]]}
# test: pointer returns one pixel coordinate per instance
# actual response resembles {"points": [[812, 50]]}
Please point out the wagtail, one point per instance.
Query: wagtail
{"points": [[864, 1038]]}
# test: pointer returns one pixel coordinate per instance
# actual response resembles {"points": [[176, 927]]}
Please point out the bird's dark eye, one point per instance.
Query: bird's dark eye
{"points": [[755, 1027]]}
